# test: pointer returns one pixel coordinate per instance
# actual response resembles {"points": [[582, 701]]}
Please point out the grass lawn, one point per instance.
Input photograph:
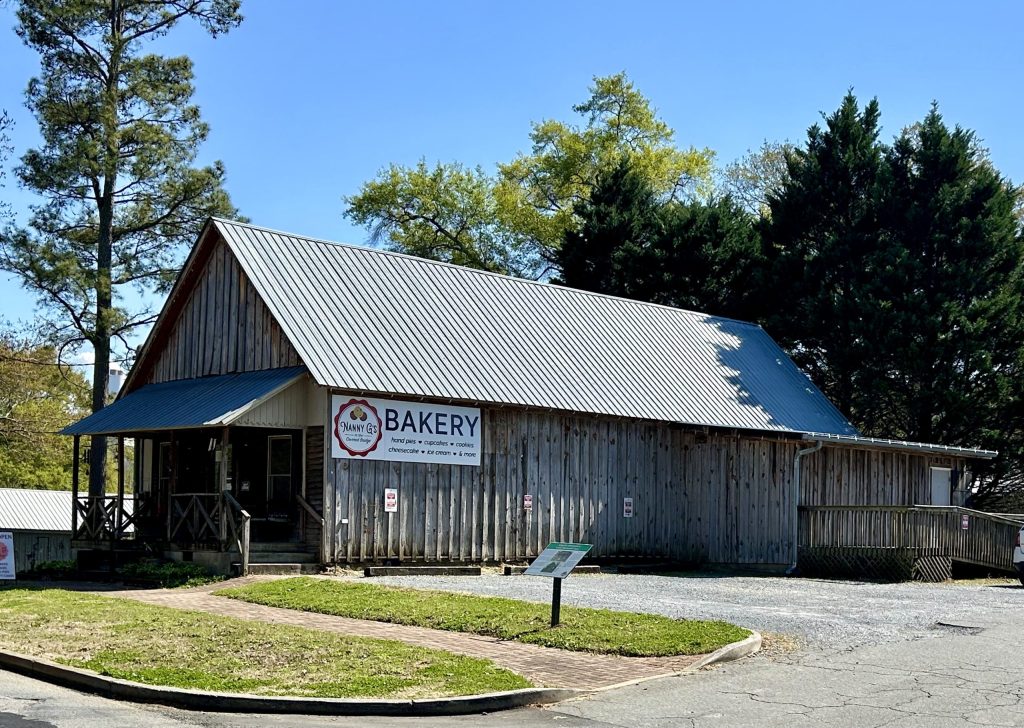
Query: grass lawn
{"points": [[585, 630], [161, 646]]}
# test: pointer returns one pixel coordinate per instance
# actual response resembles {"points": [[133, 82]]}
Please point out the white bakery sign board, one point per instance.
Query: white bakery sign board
{"points": [[414, 432]]}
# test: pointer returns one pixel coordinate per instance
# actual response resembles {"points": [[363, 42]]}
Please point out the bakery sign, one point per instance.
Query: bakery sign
{"points": [[413, 432]]}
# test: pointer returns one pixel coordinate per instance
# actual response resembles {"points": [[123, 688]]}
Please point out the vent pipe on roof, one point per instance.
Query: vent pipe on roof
{"points": [[795, 498]]}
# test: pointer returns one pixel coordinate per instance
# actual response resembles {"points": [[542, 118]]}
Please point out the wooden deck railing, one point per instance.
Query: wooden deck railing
{"points": [[194, 518], [103, 517], [311, 512], [962, 534]]}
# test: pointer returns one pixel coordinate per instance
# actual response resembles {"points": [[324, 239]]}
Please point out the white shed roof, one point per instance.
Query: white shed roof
{"points": [[384, 323], [35, 510]]}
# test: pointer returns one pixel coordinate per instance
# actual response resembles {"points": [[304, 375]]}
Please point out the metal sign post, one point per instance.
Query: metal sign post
{"points": [[557, 561]]}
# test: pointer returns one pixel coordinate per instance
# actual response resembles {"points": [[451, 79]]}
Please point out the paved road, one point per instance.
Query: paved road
{"points": [[901, 671]]}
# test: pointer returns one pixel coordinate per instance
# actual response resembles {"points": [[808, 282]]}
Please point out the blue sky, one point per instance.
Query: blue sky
{"points": [[307, 99]]}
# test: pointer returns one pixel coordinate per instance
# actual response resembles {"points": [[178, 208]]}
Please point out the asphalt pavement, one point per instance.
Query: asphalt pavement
{"points": [[867, 656]]}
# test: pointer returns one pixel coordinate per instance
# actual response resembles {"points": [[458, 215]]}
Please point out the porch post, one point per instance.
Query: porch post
{"points": [[74, 487], [222, 484], [119, 521], [172, 486]]}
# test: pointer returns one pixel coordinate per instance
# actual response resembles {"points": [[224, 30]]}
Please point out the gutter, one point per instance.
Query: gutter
{"points": [[796, 501]]}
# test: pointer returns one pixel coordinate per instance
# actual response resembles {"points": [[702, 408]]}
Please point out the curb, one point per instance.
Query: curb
{"points": [[734, 651], [117, 689]]}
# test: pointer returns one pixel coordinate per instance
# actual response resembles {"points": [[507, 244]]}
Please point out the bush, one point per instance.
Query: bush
{"points": [[168, 574], [52, 570]]}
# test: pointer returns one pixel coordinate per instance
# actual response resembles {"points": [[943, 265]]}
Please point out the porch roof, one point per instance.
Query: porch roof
{"points": [[187, 403]]}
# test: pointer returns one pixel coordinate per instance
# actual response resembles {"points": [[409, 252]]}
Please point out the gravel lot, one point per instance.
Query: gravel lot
{"points": [[819, 613]]}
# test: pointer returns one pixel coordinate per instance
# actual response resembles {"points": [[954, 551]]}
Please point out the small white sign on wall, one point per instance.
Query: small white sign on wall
{"points": [[6, 555], [627, 507], [391, 500]]}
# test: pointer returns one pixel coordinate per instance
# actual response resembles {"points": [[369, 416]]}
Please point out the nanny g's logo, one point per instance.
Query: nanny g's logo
{"points": [[357, 427]]}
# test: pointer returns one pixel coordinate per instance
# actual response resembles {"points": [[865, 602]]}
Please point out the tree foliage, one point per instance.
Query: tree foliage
{"points": [[822, 233], [5, 150], [515, 221], [695, 254], [756, 175], [902, 270], [120, 195], [37, 398], [449, 213]]}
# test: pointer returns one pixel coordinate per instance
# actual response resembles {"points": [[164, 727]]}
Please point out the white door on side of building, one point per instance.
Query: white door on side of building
{"points": [[941, 486]]}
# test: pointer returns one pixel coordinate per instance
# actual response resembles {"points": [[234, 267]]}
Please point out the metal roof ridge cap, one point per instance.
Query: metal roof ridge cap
{"points": [[430, 261]]}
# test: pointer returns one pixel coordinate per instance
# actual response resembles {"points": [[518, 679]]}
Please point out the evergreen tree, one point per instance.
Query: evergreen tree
{"points": [[711, 259], [121, 197], [615, 250], [946, 300], [822, 236]]}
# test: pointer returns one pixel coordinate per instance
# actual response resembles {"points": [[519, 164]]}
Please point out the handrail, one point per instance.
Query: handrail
{"points": [[241, 539], [323, 525], [962, 534]]}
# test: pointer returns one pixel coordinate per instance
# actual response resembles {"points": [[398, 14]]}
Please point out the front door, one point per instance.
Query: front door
{"points": [[941, 486], [279, 476]]}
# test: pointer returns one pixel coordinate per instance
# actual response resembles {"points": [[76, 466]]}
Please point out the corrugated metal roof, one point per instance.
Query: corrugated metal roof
{"points": [[380, 322], [35, 510], [205, 402]]}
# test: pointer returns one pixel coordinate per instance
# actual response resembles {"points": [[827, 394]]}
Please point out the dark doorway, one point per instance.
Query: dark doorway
{"points": [[267, 476]]}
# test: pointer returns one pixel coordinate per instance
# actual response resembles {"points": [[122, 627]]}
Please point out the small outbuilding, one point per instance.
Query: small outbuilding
{"points": [[41, 523], [298, 396]]}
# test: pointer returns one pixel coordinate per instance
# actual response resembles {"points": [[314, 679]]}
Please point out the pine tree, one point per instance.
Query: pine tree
{"points": [[121, 197]]}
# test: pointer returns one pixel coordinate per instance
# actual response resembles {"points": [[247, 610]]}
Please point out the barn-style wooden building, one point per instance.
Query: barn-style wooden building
{"points": [[309, 402]]}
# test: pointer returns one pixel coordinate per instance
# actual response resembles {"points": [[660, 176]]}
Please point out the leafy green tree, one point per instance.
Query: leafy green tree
{"points": [[120, 195], [757, 174], [821, 235], [515, 221], [566, 159], [37, 398], [449, 213]]}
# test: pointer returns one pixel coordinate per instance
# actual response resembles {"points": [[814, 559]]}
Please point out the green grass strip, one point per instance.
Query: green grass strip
{"points": [[581, 629], [162, 646]]}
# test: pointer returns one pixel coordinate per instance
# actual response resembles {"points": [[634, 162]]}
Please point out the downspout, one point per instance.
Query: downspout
{"points": [[796, 502]]}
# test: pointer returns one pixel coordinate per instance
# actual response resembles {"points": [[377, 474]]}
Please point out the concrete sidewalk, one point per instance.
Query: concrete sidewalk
{"points": [[543, 666]]}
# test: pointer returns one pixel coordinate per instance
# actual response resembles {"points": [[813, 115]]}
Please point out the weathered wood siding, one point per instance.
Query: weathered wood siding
{"points": [[314, 481], [222, 327], [854, 477], [712, 498], [32, 548]]}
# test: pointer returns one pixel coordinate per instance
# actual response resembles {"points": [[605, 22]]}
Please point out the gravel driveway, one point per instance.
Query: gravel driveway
{"points": [[820, 613]]}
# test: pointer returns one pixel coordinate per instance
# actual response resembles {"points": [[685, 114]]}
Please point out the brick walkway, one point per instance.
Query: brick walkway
{"points": [[543, 666]]}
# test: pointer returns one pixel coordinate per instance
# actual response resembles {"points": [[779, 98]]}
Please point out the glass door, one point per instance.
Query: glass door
{"points": [[279, 475]]}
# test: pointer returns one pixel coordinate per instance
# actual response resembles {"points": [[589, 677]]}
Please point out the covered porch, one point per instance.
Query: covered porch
{"points": [[219, 472]]}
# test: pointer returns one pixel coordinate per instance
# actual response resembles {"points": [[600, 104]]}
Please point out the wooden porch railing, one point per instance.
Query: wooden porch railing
{"points": [[311, 512], [103, 517], [962, 534], [239, 527], [194, 518]]}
